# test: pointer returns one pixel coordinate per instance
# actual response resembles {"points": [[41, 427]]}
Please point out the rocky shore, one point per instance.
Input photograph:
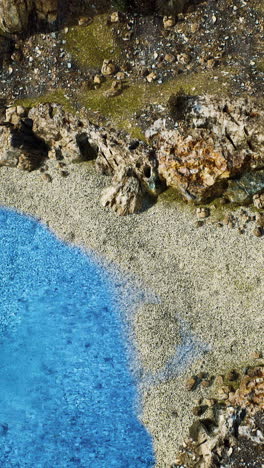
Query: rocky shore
{"points": [[109, 111]]}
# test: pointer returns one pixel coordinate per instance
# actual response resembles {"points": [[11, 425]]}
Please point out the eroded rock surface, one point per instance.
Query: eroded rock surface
{"points": [[15, 14], [230, 433], [215, 140], [216, 148]]}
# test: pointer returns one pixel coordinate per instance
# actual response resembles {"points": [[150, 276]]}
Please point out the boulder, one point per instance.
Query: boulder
{"points": [[14, 15], [125, 195]]}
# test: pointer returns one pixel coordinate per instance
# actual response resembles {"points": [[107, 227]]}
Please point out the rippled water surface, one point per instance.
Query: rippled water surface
{"points": [[67, 396]]}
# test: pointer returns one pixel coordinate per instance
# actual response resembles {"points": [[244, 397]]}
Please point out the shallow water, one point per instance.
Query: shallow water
{"points": [[67, 396]]}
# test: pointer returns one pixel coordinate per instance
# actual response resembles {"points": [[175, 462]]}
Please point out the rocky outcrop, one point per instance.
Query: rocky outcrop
{"points": [[46, 10], [216, 148], [15, 14], [230, 433], [125, 196], [20, 147], [73, 139], [215, 140]]}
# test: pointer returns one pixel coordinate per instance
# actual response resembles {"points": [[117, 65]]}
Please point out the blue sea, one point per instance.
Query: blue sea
{"points": [[67, 396]]}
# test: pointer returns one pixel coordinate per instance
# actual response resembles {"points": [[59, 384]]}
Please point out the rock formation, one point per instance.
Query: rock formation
{"points": [[216, 148], [215, 140], [15, 14], [230, 433]]}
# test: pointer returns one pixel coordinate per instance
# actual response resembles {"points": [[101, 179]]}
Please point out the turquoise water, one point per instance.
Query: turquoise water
{"points": [[67, 397]]}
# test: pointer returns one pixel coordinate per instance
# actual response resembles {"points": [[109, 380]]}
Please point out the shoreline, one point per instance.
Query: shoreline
{"points": [[210, 278]]}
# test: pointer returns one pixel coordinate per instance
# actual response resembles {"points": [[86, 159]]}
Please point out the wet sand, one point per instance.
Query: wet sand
{"points": [[204, 287]]}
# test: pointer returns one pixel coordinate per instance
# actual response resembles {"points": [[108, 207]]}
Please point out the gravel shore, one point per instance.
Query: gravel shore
{"points": [[204, 310]]}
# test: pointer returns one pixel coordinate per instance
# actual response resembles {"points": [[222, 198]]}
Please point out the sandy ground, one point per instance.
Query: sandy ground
{"points": [[208, 282]]}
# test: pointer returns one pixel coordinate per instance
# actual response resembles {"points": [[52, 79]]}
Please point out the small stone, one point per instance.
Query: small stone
{"points": [[258, 232], [170, 58], [127, 36], [219, 380], [210, 63], [256, 355], [84, 21], [64, 173], [20, 110], [97, 79], [205, 383], [151, 77], [120, 76], [209, 402], [115, 17], [108, 67], [47, 177], [202, 212], [168, 22], [258, 201], [259, 219], [194, 27], [191, 383], [183, 58]]}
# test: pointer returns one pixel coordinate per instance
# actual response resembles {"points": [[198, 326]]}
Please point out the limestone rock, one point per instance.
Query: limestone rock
{"points": [[215, 140], [258, 200], [14, 15], [46, 10], [233, 434], [125, 195], [8, 155], [192, 164], [19, 145], [108, 68]]}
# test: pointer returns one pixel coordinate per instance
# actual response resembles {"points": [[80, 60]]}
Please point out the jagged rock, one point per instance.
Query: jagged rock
{"points": [[20, 146], [8, 155], [125, 195], [235, 434], [46, 10], [214, 141], [14, 15], [242, 190], [108, 67], [258, 200], [192, 164]]}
